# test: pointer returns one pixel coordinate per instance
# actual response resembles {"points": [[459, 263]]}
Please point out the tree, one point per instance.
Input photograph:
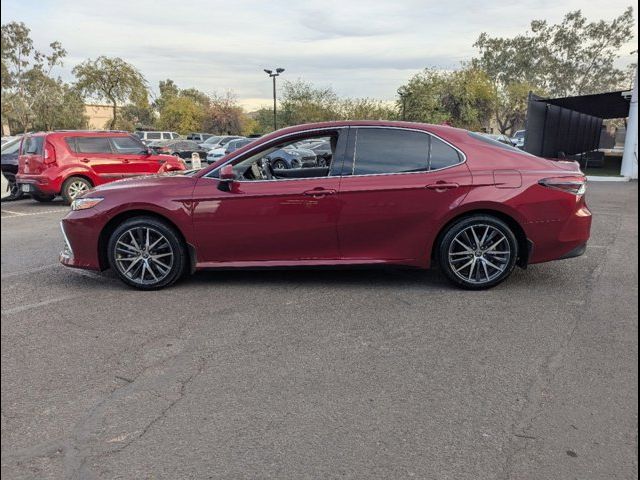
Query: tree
{"points": [[575, 57], [26, 74], [366, 109], [225, 116], [182, 114], [113, 80], [58, 106], [464, 98], [302, 102]]}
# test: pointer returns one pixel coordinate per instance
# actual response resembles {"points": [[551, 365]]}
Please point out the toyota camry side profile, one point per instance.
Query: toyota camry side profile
{"points": [[389, 193]]}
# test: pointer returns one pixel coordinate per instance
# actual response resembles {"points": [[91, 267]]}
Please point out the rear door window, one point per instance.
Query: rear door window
{"points": [[386, 150], [128, 145], [93, 145]]}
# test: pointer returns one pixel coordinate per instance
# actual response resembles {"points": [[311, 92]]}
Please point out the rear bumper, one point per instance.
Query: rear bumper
{"points": [[560, 240], [39, 184], [576, 252]]}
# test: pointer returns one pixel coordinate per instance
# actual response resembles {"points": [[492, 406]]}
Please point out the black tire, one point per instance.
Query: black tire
{"points": [[14, 190], [481, 264], [42, 198], [175, 268], [279, 164], [74, 186]]}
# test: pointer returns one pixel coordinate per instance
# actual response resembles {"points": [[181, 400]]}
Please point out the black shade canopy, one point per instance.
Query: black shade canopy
{"points": [[601, 105]]}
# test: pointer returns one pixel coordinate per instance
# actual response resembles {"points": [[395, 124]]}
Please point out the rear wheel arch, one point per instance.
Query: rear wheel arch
{"points": [[521, 236], [109, 228]]}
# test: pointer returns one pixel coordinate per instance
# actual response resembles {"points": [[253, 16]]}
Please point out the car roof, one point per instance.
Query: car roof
{"points": [[83, 133]]}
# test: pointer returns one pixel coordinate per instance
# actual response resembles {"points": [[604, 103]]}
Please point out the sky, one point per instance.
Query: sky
{"points": [[359, 48]]}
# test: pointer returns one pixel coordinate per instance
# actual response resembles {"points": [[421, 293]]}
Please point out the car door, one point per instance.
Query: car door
{"points": [[396, 185], [134, 156], [96, 153], [267, 222]]}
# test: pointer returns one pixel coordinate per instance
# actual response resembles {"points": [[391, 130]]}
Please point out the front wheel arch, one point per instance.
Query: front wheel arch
{"points": [[524, 245], [108, 229]]}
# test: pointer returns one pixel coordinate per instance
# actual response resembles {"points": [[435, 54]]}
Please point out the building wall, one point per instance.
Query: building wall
{"points": [[99, 115]]}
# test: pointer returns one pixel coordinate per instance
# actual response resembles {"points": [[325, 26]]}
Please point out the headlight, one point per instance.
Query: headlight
{"points": [[84, 203]]}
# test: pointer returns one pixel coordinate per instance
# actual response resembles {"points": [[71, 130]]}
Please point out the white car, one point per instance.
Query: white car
{"points": [[216, 154], [218, 141], [518, 138]]}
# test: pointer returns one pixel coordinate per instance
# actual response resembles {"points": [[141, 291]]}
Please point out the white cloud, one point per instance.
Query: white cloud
{"points": [[360, 48]]}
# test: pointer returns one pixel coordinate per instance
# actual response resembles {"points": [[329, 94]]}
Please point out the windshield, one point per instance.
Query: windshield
{"points": [[212, 140]]}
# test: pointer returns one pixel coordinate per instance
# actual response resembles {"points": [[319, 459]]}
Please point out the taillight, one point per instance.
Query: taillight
{"points": [[576, 185], [49, 154]]}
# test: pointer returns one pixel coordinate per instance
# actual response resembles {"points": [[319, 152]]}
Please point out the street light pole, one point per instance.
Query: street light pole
{"points": [[273, 75]]}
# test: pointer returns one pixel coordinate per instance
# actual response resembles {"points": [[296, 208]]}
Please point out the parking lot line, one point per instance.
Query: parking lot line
{"points": [[11, 213], [29, 306]]}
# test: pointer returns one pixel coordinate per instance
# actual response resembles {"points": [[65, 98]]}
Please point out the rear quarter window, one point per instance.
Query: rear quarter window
{"points": [[442, 155]]}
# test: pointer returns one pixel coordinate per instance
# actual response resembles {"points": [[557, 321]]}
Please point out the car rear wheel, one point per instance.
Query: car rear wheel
{"points": [[478, 252], [146, 253], [74, 186]]}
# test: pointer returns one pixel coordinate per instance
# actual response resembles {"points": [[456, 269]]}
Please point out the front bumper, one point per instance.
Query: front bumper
{"points": [[81, 240]]}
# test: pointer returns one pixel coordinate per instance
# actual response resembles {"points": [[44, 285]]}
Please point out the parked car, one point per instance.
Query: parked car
{"points": [[395, 194], [292, 157], [9, 154], [220, 150], [218, 141], [199, 137], [234, 145], [8, 138], [518, 138], [179, 148], [149, 136], [69, 163], [321, 148]]}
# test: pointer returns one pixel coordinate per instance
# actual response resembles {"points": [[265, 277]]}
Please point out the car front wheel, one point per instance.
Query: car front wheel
{"points": [[146, 253], [478, 252]]}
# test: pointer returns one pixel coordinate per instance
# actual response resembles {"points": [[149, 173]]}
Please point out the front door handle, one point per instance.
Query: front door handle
{"points": [[124, 160], [319, 192], [442, 186], [85, 160]]}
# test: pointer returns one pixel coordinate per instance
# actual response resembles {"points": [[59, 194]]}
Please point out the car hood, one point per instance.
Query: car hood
{"points": [[163, 180]]}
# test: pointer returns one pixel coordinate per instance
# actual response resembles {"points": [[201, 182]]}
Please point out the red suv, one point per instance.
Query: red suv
{"points": [[71, 162], [390, 193]]}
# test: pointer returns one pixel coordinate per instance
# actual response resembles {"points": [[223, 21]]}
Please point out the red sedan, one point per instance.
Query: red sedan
{"points": [[390, 193]]}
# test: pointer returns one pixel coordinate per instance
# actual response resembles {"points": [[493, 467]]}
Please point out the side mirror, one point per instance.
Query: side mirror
{"points": [[227, 174]]}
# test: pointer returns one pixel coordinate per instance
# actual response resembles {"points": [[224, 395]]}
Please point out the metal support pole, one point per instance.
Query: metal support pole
{"points": [[275, 117], [630, 156]]}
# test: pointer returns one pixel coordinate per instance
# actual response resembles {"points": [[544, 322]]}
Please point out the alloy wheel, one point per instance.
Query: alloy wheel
{"points": [[144, 255], [76, 188], [479, 254]]}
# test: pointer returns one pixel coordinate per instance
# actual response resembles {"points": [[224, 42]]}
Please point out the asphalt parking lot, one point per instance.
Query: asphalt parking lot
{"points": [[321, 374]]}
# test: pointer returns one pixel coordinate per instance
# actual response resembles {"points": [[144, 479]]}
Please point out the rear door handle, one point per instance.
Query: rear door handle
{"points": [[442, 186], [85, 160], [319, 192], [124, 160]]}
